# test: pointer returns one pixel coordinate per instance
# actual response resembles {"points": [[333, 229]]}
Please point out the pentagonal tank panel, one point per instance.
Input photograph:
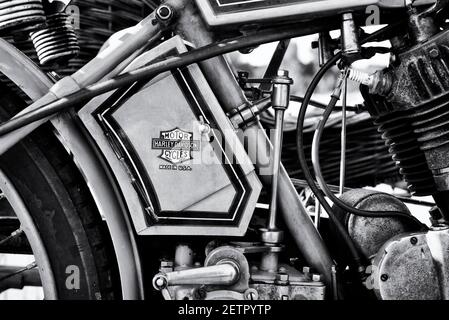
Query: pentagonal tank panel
{"points": [[180, 165]]}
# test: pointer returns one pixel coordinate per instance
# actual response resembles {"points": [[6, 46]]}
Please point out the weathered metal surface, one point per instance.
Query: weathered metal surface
{"points": [[370, 234], [413, 267]]}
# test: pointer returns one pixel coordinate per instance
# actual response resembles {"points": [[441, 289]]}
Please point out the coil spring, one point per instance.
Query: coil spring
{"points": [[21, 14], [57, 42], [359, 76]]}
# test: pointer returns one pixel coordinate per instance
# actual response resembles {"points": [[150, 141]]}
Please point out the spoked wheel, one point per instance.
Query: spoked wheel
{"points": [[45, 196], [18, 234]]}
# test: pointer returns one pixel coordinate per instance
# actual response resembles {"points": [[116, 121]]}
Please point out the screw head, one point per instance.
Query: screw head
{"points": [[384, 277], [160, 282], [251, 294], [434, 53], [414, 241]]}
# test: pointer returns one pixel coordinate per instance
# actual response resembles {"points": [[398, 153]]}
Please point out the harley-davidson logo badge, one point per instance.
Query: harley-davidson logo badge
{"points": [[176, 145]]}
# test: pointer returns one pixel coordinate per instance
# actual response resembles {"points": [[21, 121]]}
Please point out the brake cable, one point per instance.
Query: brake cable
{"points": [[354, 252]]}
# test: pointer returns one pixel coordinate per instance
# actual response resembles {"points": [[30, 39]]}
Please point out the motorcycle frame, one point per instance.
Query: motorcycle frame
{"points": [[119, 51]]}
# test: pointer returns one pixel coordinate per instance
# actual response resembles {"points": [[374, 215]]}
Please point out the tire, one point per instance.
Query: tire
{"points": [[62, 209]]}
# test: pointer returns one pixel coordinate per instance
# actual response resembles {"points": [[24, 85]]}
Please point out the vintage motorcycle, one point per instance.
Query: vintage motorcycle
{"points": [[141, 174]]}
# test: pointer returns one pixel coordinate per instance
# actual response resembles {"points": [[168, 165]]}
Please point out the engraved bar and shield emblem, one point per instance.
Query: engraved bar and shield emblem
{"points": [[176, 145]]}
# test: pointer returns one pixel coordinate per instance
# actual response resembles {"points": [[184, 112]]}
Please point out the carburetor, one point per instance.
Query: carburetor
{"points": [[227, 275]]}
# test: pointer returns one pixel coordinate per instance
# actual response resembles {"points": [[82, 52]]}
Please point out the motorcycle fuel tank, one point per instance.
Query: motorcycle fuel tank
{"points": [[180, 165], [223, 13]]}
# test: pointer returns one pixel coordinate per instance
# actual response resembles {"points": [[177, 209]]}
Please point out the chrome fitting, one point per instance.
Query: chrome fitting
{"points": [[245, 115], [271, 236], [350, 36], [280, 97], [164, 13]]}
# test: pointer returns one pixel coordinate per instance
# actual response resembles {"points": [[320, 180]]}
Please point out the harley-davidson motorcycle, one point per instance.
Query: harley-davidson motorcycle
{"points": [[154, 171]]}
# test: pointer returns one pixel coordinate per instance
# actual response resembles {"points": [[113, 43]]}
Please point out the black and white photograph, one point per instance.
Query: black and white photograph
{"points": [[262, 153]]}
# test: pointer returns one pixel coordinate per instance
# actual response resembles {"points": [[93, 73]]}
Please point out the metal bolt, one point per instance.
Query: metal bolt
{"points": [[282, 277], [316, 278], [306, 270], [434, 53], [384, 277], [283, 73], [413, 240], [251, 294], [160, 282], [164, 12], [282, 270], [166, 264]]}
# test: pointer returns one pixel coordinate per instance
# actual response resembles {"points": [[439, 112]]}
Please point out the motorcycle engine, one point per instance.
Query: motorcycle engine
{"points": [[409, 104]]}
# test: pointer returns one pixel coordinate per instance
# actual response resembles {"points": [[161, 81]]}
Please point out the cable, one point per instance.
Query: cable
{"points": [[319, 105], [356, 257], [324, 187], [355, 254]]}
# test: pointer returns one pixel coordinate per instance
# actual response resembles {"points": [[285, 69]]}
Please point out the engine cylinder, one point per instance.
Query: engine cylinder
{"points": [[399, 136], [414, 118]]}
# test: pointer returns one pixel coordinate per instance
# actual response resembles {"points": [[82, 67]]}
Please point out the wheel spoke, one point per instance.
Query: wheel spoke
{"points": [[31, 266], [12, 236]]}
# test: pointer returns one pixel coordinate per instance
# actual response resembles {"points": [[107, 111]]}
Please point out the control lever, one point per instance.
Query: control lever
{"points": [[224, 274], [224, 267]]}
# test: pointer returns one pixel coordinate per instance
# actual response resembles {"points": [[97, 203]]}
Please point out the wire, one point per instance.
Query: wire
{"points": [[319, 105], [325, 188], [356, 257], [355, 254]]}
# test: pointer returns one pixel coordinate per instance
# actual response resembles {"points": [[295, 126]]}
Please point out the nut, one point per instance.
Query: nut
{"points": [[316, 278], [166, 264], [282, 277]]}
